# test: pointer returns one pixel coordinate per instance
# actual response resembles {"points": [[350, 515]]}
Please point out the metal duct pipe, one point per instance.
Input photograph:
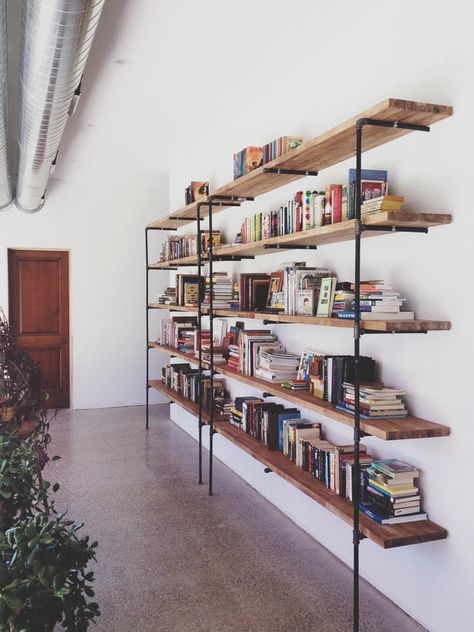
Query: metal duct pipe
{"points": [[56, 36], [5, 184]]}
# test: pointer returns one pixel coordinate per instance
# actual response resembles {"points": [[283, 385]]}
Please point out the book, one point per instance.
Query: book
{"points": [[377, 315], [199, 191], [326, 297], [305, 302], [373, 512]]}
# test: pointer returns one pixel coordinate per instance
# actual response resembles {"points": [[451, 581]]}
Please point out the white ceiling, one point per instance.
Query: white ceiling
{"points": [[115, 127]]}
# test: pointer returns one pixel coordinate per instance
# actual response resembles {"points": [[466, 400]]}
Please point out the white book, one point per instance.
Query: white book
{"points": [[387, 315]]}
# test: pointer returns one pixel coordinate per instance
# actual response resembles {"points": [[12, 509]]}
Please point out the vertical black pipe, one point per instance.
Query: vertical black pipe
{"points": [[147, 425], [356, 481], [211, 347], [199, 334]]}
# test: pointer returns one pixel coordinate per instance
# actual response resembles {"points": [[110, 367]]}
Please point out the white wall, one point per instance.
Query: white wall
{"points": [[273, 68], [103, 227]]}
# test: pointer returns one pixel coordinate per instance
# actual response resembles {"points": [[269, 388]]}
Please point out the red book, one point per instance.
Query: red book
{"points": [[336, 193]]}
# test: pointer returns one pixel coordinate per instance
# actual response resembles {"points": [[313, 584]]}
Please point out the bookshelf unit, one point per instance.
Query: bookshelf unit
{"points": [[379, 125]]}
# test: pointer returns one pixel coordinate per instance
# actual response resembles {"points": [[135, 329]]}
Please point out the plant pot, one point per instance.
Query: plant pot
{"points": [[28, 426], [7, 414]]}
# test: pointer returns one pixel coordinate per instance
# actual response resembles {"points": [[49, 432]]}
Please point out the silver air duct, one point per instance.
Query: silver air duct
{"points": [[5, 185], [56, 36]]}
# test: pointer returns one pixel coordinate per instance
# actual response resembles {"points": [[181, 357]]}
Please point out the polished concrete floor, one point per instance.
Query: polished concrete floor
{"points": [[171, 559]]}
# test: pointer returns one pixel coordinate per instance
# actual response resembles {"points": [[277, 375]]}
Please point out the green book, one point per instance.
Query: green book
{"points": [[326, 297]]}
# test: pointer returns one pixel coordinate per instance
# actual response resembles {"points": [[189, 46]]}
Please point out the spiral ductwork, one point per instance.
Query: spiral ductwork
{"points": [[56, 36], [5, 184]]}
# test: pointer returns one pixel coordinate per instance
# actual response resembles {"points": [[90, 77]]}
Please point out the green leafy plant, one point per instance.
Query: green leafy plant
{"points": [[44, 578], [23, 491], [22, 390]]}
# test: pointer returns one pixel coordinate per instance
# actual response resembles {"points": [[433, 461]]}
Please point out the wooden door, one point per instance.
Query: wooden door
{"points": [[39, 315]]}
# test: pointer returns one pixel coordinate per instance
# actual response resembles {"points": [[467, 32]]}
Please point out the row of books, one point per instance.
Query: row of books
{"points": [[177, 246], [310, 209], [253, 157], [295, 289], [388, 493], [258, 352], [184, 379]]}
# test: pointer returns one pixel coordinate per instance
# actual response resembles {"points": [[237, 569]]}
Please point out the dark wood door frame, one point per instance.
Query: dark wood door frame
{"points": [[39, 315]]}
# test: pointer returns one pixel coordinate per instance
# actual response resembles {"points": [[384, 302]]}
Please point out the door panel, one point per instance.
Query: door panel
{"points": [[40, 297], [39, 315]]}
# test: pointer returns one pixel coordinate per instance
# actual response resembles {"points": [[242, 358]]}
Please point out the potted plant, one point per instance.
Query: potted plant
{"points": [[44, 579]]}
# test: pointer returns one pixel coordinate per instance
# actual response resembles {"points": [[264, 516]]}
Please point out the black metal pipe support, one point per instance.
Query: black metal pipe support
{"points": [[289, 246], [211, 349], [357, 318], [359, 228], [394, 229], [147, 386], [289, 172], [199, 333]]}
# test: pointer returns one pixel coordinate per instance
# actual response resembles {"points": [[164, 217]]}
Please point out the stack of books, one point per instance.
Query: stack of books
{"points": [[391, 494], [392, 203], [224, 408], [222, 288], [343, 300], [168, 297], [375, 402], [378, 301], [234, 303], [178, 331], [277, 366], [296, 385]]}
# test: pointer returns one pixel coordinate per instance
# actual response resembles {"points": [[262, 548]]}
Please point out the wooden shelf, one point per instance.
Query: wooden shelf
{"points": [[319, 236], [386, 536], [391, 326], [185, 403], [326, 150], [386, 429]]}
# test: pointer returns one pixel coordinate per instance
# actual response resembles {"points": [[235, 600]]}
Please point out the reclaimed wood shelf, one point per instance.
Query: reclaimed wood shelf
{"points": [[387, 429], [323, 151], [389, 326], [319, 236], [386, 536], [185, 403]]}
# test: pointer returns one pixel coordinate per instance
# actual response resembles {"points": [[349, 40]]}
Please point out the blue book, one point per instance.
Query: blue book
{"points": [[369, 510], [294, 414]]}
